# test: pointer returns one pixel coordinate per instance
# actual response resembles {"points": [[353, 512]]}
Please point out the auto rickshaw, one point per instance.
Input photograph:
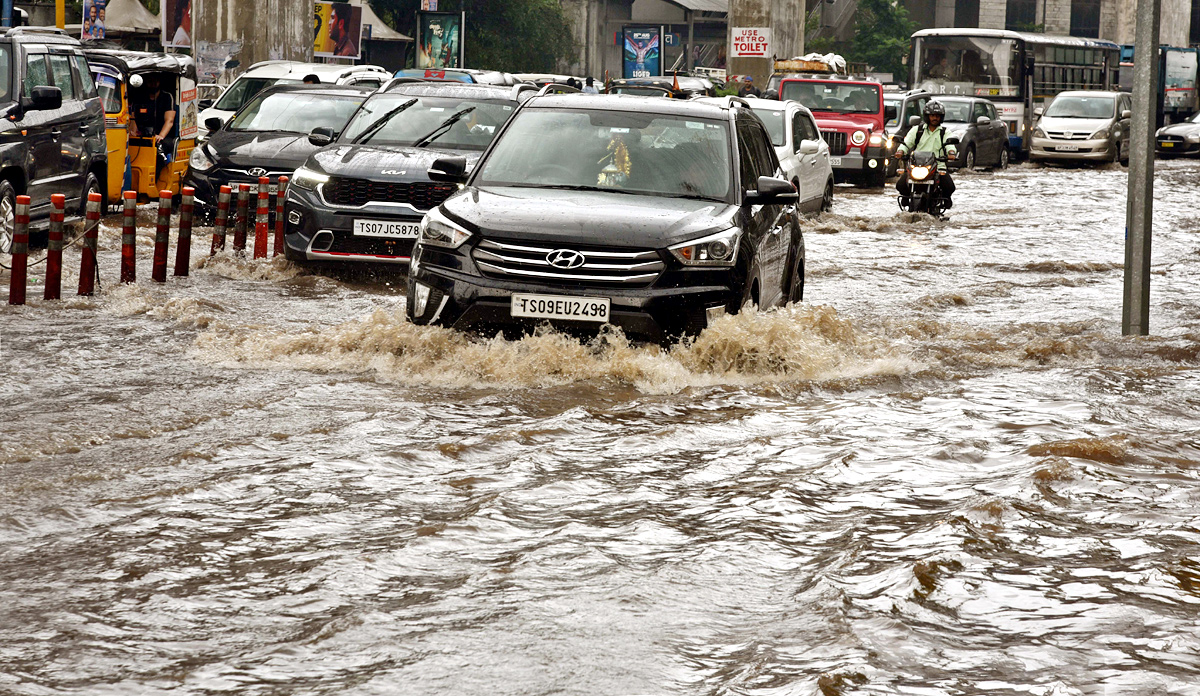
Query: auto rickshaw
{"points": [[135, 161]]}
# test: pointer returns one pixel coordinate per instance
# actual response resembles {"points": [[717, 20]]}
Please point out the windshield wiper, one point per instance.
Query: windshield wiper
{"points": [[372, 129], [442, 128]]}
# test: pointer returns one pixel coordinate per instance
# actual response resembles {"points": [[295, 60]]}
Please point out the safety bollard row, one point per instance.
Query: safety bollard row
{"points": [[20, 253], [260, 220], [243, 207], [54, 248]]}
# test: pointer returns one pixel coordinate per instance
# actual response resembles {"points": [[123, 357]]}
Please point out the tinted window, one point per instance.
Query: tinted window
{"points": [[915, 108], [755, 141], [810, 128], [36, 73], [296, 112], [60, 67], [797, 130], [85, 77], [957, 112], [991, 111], [980, 110], [773, 120], [5, 70], [891, 112]]}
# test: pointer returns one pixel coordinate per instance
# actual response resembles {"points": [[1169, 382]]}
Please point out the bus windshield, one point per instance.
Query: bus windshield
{"points": [[973, 65]]}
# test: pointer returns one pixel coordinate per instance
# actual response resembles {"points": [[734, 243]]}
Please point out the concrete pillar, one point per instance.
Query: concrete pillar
{"points": [[943, 14], [747, 14], [992, 14], [249, 32]]}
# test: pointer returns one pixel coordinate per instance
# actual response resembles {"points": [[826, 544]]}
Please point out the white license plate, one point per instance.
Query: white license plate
{"points": [[1067, 148], [835, 161], [561, 307], [381, 228]]}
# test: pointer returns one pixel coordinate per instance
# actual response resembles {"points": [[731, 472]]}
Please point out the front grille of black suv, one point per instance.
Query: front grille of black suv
{"points": [[602, 266], [358, 192]]}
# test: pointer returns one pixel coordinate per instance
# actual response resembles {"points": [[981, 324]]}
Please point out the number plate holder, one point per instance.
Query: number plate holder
{"points": [[595, 309], [1066, 148], [835, 161]]}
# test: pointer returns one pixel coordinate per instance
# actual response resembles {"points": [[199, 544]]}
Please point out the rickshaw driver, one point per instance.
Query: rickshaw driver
{"points": [[154, 115]]}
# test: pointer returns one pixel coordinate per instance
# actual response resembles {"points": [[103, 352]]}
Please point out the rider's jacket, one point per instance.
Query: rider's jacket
{"points": [[931, 140]]}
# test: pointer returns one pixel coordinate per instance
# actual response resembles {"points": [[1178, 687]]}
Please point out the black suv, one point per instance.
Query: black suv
{"points": [[362, 199], [51, 126], [651, 214]]}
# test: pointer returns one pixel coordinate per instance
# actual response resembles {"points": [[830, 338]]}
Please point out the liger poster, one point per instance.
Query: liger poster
{"points": [[93, 20], [643, 55], [439, 40], [337, 30], [176, 23]]}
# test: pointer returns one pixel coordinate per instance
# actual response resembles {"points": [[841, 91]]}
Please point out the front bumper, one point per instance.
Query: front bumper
{"points": [[1175, 146], [859, 159], [1083, 150], [208, 185], [316, 231]]}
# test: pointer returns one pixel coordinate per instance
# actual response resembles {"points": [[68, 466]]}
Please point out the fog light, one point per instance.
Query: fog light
{"points": [[886, 162], [872, 163], [420, 299], [294, 217]]}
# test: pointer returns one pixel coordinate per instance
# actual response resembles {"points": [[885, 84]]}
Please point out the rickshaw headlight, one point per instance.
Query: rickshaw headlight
{"points": [[200, 161]]}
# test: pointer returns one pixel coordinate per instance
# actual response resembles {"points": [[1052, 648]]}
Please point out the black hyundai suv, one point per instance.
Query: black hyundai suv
{"points": [[51, 126], [651, 214], [362, 198]]}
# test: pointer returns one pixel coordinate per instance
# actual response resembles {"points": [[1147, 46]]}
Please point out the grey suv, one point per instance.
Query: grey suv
{"points": [[51, 125]]}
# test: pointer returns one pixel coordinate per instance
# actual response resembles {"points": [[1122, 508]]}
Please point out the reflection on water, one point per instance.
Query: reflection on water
{"points": [[945, 473]]}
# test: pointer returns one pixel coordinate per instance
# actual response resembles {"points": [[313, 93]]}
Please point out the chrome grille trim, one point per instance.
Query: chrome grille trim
{"points": [[649, 265], [602, 266], [568, 276], [547, 249], [1075, 135]]}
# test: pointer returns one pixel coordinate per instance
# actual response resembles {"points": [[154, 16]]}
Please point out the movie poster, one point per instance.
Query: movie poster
{"points": [[439, 40], [337, 30], [188, 111], [176, 23], [93, 20], [643, 55]]}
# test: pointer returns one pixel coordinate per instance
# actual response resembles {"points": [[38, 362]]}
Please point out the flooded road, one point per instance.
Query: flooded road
{"points": [[945, 473]]}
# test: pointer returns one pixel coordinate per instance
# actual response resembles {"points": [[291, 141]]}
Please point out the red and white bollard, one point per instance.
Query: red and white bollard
{"points": [[280, 195], [222, 221], [54, 247], [183, 249], [243, 215], [129, 237], [158, 272], [91, 232], [260, 220], [20, 253]]}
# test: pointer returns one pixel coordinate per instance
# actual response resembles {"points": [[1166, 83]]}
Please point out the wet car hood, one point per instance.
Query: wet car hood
{"points": [[594, 217], [1080, 125], [259, 149], [383, 162], [1180, 129]]}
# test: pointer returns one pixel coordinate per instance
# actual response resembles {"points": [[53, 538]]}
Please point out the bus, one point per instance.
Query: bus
{"points": [[1018, 71]]}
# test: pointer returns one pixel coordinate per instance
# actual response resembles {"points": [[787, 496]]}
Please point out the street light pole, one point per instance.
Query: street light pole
{"points": [[1135, 313]]}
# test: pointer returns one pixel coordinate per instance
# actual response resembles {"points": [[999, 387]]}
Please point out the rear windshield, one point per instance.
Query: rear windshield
{"points": [[243, 89], [773, 120], [640, 91], [834, 97], [296, 112]]}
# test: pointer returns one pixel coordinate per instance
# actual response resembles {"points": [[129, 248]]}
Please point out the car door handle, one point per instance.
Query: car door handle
{"points": [[55, 133]]}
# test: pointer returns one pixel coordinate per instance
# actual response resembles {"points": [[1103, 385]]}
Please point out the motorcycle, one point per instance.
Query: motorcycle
{"points": [[924, 181]]}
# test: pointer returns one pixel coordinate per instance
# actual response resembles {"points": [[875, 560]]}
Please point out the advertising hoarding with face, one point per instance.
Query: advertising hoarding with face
{"points": [[337, 30], [439, 40], [642, 53], [177, 23]]}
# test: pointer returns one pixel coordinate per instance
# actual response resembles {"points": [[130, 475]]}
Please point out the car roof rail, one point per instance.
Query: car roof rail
{"points": [[731, 100], [555, 88], [261, 63], [17, 31]]}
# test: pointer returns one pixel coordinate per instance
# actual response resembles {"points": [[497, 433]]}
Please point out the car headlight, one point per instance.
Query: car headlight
{"points": [[1193, 137], [858, 138], [200, 161], [1100, 134], [920, 173], [1038, 132], [718, 249], [438, 230], [876, 140], [307, 179]]}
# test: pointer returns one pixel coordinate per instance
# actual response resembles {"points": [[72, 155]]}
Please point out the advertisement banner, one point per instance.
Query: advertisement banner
{"points": [[642, 54], [751, 42], [188, 113], [177, 23], [439, 40], [93, 20], [337, 30]]}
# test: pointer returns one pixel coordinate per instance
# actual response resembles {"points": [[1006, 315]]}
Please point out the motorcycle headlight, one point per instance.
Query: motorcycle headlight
{"points": [[438, 230], [718, 249], [920, 173], [876, 140], [200, 161], [858, 138], [1100, 134], [1038, 132], [307, 179]]}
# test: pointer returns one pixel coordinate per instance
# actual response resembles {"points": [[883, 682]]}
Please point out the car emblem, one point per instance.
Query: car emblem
{"points": [[395, 172], [565, 258], [1068, 134], [256, 172]]}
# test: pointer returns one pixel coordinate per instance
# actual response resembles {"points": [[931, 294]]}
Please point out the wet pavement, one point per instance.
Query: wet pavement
{"points": [[944, 473]]}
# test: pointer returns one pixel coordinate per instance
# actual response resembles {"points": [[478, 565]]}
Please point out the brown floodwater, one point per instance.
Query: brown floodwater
{"points": [[946, 473]]}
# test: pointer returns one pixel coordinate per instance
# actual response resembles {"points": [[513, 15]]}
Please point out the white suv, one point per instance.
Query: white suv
{"points": [[269, 72]]}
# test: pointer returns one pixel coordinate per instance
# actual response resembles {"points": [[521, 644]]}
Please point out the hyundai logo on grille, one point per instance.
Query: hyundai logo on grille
{"points": [[256, 172], [565, 258]]}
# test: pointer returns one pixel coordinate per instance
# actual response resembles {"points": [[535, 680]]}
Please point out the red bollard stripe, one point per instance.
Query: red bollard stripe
{"points": [[87, 264], [260, 223], [279, 198], [222, 220], [129, 237], [158, 270], [54, 247], [183, 251]]}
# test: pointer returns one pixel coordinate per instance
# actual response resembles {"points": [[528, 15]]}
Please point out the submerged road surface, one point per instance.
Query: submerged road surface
{"points": [[945, 473]]}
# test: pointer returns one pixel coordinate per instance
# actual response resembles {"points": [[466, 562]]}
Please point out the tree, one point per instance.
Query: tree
{"points": [[508, 35], [882, 31]]}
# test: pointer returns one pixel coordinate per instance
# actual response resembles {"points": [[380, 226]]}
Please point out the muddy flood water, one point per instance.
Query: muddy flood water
{"points": [[946, 473]]}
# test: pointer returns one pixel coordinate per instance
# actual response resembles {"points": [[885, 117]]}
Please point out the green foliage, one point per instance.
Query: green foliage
{"points": [[509, 35], [882, 31]]}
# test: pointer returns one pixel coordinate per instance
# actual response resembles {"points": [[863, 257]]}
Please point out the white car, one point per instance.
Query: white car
{"points": [[270, 72], [803, 154]]}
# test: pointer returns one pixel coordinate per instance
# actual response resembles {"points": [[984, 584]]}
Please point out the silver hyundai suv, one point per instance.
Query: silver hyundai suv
{"points": [[1081, 126]]}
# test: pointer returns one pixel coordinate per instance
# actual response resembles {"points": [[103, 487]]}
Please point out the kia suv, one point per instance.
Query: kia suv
{"points": [[654, 215]]}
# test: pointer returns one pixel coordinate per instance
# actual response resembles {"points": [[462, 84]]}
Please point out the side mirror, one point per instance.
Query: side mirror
{"points": [[771, 191], [204, 104], [808, 147], [1126, 114], [451, 170], [45, 99], [1038, 112], [953, 140], [983, 121], [321, 136], [213, 124], [914, 120]]}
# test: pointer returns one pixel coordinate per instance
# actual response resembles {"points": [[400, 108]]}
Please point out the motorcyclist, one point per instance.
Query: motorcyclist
{"points": [[930, 136]]}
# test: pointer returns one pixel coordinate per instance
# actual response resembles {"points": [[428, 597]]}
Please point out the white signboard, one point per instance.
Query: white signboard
{"points": [[751, 42]]}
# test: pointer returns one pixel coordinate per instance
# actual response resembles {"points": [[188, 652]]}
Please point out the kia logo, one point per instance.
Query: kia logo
{"points": [[256, 172], [565, 258]]}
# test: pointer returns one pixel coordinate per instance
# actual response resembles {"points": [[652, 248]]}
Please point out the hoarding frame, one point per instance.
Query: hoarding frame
{"points": [[321, 31]]}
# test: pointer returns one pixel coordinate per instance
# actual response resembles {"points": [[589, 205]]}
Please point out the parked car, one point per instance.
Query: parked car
{"points": [[849, 112], [654, 215], [362, 198], [982, 136], [51, 127], [803, 154], [679, 87], [269, 136], [479, 77], [898, 109], [269, 72], [1180, 138], [1083, 126]]}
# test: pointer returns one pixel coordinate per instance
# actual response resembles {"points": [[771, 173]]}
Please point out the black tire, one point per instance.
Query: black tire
{"points": [[1004, 158], [796, 285], [827, 198], [969, 159], [8, 215], [91, 184]]}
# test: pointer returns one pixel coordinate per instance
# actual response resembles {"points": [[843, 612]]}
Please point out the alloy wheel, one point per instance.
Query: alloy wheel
{"points": [[8, 222]]}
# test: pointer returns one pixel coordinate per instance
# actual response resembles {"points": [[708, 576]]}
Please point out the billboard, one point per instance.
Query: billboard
{"points": [[440, 39], [337, 30], [642, 54], [177, 23], [93, 20]]}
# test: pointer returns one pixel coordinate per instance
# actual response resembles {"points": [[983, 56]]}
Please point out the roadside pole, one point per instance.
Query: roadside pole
{"points": [[1135, 313]]}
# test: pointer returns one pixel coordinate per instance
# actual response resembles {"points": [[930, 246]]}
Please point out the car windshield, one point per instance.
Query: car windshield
{"points": [[773, 120], [1195, 118], [474, 130], [960, 64], [1081, 107], [5, 72], [891, 111], [640, 91], [834, 97], [296, 112], [241, 91], [956, 111], [626, 151]]}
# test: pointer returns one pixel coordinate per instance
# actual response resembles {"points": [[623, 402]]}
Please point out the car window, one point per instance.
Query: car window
{"points": [[980, 110], [368, 82], [296, 112], [798, 132], [810, 128], [916, 107], [773, 119], [5, 70], [60, 68], [762, 156], [36, 73], [991, 111], [243, 89], [891, 113], [86, 82]]}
